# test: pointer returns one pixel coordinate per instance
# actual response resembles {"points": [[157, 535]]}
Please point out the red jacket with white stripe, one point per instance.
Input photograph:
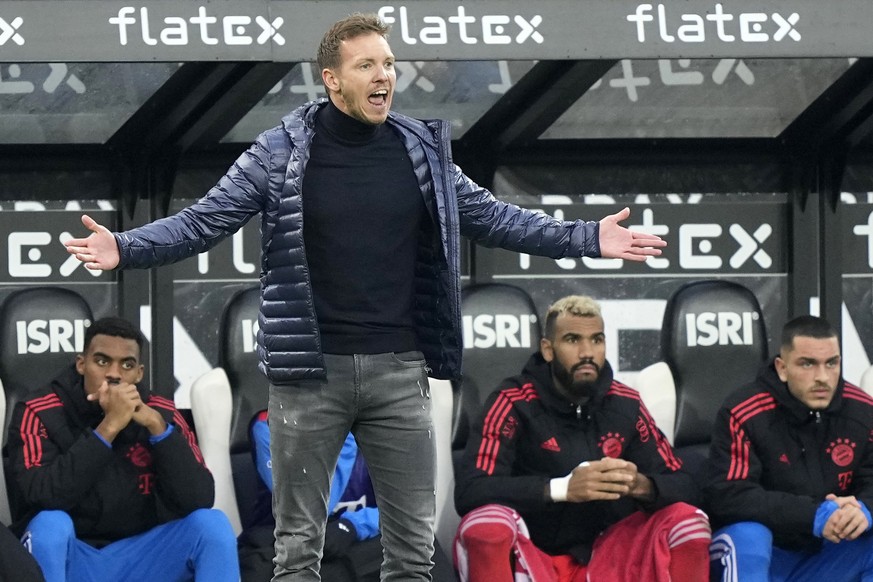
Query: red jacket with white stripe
{"points": [[773, 460], [110, 493], [529, 434]]}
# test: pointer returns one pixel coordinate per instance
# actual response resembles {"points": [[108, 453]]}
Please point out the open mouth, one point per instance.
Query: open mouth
{"points": [[378, 98]]}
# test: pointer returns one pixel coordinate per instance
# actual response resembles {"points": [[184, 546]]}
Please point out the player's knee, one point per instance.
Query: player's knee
{"points": [[210, 524], [50, 529], [491, 526]]}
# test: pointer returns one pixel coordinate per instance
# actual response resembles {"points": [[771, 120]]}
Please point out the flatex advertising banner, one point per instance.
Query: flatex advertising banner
{"points": [[35, 252], [290, 30], [704, 239]]}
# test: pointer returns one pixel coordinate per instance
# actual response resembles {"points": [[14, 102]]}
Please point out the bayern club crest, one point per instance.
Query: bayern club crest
{"points": [[612, 444], [842, 452], [139, 455]]}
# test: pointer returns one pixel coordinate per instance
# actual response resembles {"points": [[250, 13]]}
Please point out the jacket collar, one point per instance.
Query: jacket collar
{"points": [[541, 372], [345, 128], [303, 118], [69, 385]]}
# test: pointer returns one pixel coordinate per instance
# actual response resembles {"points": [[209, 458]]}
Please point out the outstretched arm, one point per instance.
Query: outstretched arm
{"points": [[98, 251], [617, 242], [257, 176], [494, 223]]}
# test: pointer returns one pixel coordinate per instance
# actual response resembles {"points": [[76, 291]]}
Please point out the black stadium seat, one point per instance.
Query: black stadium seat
{"points": [[501, 331], [866, 380], [224, 402], [41, 331], [249, 389], [713, 340]]}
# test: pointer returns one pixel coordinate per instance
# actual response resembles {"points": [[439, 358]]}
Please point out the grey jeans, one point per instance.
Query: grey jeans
{"points": [[385, 401]]}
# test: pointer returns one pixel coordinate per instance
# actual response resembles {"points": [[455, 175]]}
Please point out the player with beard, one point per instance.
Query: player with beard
{"points": [[567, 475]]}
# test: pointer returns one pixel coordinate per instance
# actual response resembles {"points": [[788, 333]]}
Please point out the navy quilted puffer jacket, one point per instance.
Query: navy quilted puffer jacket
{"points": [[268, 178]]}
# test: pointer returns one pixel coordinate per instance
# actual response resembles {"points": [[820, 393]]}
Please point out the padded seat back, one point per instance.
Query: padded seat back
{"points": [[41, 331], [714, 340], [238, 355], [250, 389], [501, 331]]}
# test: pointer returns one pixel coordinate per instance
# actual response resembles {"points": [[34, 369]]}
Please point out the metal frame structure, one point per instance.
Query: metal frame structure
{"points": [[181, 124]]}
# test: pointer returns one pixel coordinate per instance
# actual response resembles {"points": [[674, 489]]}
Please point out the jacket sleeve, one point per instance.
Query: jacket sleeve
{"points": [[260, 435], [240, 194], [365, 519], [863, 480], [493, 223], [484, 474], [733, 489], [49, 477], [183, 483], [366, 522], [651, 452], [344, 465]]}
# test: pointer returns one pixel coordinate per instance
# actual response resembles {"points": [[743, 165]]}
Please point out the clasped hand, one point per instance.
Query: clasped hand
{"points": [[846, 523], [122, 403], [607, 480]]}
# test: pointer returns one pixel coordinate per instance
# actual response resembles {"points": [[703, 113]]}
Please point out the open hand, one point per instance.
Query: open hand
{"points": [[98, 251], [617, 242]]}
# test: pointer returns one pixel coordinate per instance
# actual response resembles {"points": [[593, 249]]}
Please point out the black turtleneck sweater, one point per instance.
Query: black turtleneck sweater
{"points": [[362, 214]]}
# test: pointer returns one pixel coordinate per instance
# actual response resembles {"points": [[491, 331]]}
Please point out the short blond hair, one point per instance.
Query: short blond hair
{"points": [[578, 305]]}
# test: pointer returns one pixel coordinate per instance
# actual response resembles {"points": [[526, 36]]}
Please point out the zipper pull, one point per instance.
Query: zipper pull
{"points": [[578, 412], [817, 417]]}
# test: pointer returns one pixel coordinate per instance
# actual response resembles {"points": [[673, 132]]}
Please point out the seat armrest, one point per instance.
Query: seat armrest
{"points": [[658, 390], [447, 519], [5, 513], [866, 383], [211, 405]]}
